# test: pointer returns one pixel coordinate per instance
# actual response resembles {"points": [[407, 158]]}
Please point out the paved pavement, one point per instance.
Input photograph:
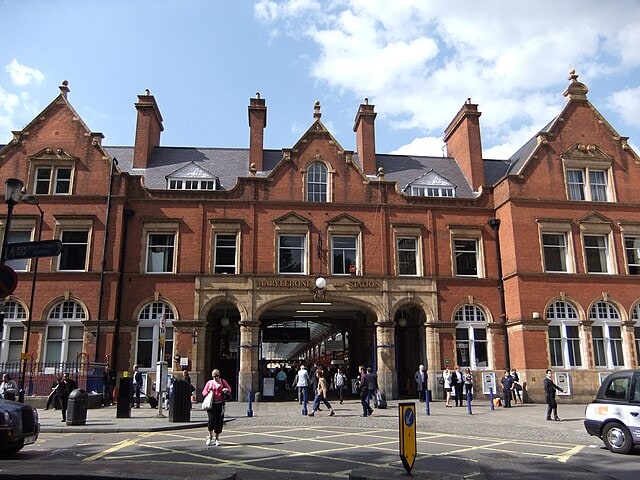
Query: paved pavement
{"points": [[525, 422]]}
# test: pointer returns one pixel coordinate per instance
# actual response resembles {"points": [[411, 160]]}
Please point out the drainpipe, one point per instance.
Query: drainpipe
{"points": [[495, 224], [114, 162], [127, 216]]}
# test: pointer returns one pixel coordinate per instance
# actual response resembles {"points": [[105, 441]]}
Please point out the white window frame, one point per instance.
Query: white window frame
{"points": [[458, 250], [192, 184], [588, 188], [50, 185], [151, 316], [412, 254], [635, 316], [68, 315], [19, 234], [604, 252], [15, 314], [563, 314], [219, 268], [561, 251], [317, 187], [632, 253], [302, 249], [607, 316], [167, 252], [472, 319], [347, 267], [67, 245]]}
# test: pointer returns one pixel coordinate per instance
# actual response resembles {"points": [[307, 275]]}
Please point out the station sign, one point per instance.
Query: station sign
{"points": [[44, 248]]}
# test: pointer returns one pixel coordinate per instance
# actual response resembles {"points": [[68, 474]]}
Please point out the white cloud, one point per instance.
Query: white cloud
{"points": [[425, 146], [419, 61], [627, 104], [22, 75]]}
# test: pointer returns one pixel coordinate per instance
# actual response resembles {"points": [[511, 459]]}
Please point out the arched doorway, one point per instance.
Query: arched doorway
{"points": [[223, 342], [410, 348]]}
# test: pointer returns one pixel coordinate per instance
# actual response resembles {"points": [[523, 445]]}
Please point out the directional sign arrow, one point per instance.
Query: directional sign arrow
{"points": [[45, 248]]}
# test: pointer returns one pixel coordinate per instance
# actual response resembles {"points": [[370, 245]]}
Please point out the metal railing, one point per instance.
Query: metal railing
{"points": [[40, 376]]}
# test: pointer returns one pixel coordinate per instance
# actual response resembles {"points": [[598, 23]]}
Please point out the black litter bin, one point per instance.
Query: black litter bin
{"points": [[77, 407], [180, 402], [125, 392]]}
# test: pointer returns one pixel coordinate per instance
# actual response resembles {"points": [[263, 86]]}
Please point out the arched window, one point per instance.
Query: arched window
{"points": [[564, 335], [152, 320], [607, 335], [635, 316], [13, 334], [64, 332], [471, 337], [317, 183]]}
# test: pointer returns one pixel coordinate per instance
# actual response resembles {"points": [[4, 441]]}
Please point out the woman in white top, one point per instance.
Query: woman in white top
{"points": [[446, 376]]}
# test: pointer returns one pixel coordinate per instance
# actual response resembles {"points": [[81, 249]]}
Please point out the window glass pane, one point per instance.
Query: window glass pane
{"points": [[344, 254], [555, 252], [63, 180], [43, 178], [595, 250], [598, 181], [160, 253], [575, 184], [466, 257], [74, 250], [225, 253], [18, 236], [291, 253], [74, 347], [407, 256], [145, 346], [16, 337], [317, 183], [632, 248], [54, 344]]}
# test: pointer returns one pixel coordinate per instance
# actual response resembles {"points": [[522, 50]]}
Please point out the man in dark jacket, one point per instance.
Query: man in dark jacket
{"points": [[65, 388], [550, 396], [507, 385], [108, 384]]}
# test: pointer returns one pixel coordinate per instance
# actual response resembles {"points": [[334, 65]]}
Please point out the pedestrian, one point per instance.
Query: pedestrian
{"points": [[301, 382], [340, 382], [446, 383], [108, 384], [517, 387], [458, 386], [137, 386], [421, 377], [187, 378], [467, 379], [507, 386], [363, 388], [53, 395], [65, 388], [550, 396], [8, 387], [281, 383], [219, 389], [321, 394]]}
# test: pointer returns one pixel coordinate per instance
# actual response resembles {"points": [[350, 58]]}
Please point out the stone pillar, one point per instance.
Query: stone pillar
{"points": [[386, 359], [432, 338], [249, 375], [629, 345]]}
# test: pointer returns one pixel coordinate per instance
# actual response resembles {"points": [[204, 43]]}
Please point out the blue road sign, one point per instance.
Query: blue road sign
{"points": [[45, 248]]}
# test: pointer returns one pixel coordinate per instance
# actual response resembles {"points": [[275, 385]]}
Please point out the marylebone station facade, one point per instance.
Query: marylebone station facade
{"points": [[248, 258]]}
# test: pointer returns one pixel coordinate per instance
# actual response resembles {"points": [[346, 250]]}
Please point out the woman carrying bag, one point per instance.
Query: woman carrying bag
{"points": [[215, 392]]}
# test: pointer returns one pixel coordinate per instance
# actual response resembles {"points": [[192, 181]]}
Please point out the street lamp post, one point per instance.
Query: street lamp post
{"points": [[11, 197], [31, 200]]}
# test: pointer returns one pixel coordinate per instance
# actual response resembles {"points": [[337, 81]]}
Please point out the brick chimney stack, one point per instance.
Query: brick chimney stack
{"points": [[148, 129], [462, 138], [366, 137], [257, 124]]}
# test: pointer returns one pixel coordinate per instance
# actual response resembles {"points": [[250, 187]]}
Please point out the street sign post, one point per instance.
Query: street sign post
{"points": [[44, 248], [407, 432]]}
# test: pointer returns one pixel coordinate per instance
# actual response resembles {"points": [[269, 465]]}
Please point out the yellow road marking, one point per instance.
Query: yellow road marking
{"points": [[563, 457], [116, 447]]}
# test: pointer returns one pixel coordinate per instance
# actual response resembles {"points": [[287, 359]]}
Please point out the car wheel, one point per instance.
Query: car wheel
{"points": [[8, 451], [617, 437]]}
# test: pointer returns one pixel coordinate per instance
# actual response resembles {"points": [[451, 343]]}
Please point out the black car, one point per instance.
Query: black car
{"points": [[614, 415], [19, 426]]}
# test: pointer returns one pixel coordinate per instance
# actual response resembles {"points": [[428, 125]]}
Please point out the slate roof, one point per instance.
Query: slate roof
{"points": [[230, 163]]}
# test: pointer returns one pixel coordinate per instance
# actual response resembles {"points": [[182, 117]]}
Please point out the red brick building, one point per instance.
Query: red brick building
{"points": [[316, 253]]}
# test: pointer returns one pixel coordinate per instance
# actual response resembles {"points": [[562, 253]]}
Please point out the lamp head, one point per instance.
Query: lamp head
{"points": [[13, 190], [321, 282]]}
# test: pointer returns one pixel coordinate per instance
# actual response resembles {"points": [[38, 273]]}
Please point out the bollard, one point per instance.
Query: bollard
{"points": [[427, 399], [250, 406], [491, 398], [469, 412], [304, 401]]}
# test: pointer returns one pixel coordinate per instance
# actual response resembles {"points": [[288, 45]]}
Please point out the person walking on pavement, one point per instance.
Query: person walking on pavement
{"points": [[458, 386], [421, 377], [321, 395], [301, 382], [372, 383], [108, 384], [67, 386], [281, 383], [507, 386], [446, 383], [515, 393], [218, 388], [137, 386], [550, 396], [54, 397], [363, 386], [340, 382]]}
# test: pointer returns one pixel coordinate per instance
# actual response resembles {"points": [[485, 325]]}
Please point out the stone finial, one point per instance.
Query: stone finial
{"points": [[381, 173], [575, 90], [147, 92], [64, 88], [573, 76], [316, 110]]}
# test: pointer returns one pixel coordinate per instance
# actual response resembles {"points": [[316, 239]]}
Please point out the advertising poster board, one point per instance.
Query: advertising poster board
{"points": [[562, 380], [489, 383], [268, 387]]}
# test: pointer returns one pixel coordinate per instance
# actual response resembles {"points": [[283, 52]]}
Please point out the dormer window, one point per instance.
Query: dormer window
{"points": [[192, 177], [588, 175], [431, 185]]}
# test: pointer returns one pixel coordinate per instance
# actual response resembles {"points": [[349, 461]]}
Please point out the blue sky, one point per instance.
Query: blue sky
{"points": [[416, 60]]}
